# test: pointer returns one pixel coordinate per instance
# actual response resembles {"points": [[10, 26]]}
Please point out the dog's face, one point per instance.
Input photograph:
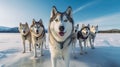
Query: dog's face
{"points": [[37, 27], [23, 28], [76, 28], [94, 29], [85, 30], [61, 24]]}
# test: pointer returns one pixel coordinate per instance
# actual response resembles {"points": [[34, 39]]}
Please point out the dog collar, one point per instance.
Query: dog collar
{"points": [[25, 36], [79, 35], [41, 36]]}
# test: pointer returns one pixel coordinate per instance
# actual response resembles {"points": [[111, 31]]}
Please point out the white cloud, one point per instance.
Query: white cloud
{"points": [[83, 7], [108, 22]]}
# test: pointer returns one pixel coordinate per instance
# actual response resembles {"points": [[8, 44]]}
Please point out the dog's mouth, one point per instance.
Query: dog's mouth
{"points": [[37, 32], [61, 33]]}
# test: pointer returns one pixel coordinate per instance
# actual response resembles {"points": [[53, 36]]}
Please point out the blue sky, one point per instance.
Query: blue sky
{"points": [[104, 13]]}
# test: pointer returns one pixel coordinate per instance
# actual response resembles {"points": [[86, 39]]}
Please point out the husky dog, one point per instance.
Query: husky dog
{"points": [[93, 31], [83, 36], [38, 36], [74, 38], [26, 35], [61, 28]]}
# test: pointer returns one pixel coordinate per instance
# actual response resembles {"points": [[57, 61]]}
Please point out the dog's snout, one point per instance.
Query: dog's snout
{"points": [[87, 32], [37, 31], [75, 30], [23, 31], [61, 28]]}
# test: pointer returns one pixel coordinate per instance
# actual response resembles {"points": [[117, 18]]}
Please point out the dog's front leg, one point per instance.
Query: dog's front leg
{"points": [[93, 43], [24, 47], [41, 49], [35, 52], [54, 61], [66, 58], [85, 46], [81, 47], [73, 48], [45, 43], [90, 41], [29, 45]]}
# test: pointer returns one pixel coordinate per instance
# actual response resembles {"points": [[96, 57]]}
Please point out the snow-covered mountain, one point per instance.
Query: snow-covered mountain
{"points": [[2, 28], [8, 29]]}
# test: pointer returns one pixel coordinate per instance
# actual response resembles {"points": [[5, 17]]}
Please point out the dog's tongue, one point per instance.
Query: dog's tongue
{"points": [[61, 33]]}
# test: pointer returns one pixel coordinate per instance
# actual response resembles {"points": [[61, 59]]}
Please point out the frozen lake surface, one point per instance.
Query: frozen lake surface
{"points": [[106, 54]]}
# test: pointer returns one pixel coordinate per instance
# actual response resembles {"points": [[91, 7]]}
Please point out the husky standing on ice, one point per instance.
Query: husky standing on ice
{"points": [[74, 38], [25, 34], [38, 36], [93, 32], [61, 27], [83, 36]]}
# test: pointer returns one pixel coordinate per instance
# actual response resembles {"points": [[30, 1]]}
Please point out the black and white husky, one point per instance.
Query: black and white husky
{"points": [[60, 35], [38, 36], [93, 32], [83, 36]]}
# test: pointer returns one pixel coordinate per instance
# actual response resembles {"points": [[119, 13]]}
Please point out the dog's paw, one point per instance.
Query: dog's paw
{"points": [[23, 52], [41, 55], [75, 57], [30, 50], [33, 58], [92, 47], [81, 53], [85, 52]]}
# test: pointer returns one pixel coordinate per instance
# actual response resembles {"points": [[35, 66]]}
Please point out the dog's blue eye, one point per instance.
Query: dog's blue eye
{"points": [[65, 20]]}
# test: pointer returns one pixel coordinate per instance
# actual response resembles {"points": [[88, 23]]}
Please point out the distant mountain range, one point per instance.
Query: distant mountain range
{"points": [[110, 31], [8, 29], [4, 29]]}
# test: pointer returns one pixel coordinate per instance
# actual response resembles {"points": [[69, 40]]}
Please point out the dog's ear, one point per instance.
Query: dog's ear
{"points": [[26, 23], [92, 26], [77, 26], [20, 24], [88, 25], [54, 11], [40, 21], [83, 25], [69, 11], [33, 22], [97, 26]]}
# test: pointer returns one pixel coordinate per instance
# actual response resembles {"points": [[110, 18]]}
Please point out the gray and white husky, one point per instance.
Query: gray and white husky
{"points": [[25, 34], [83, 37], [93, 32], [61, 27], [38, 36], [74, 38]]}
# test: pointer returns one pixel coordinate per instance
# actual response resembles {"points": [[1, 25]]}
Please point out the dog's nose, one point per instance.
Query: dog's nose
{"points": [[61, 28], [86, 32], [23, 31], [75, 30], [37, 31]]}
